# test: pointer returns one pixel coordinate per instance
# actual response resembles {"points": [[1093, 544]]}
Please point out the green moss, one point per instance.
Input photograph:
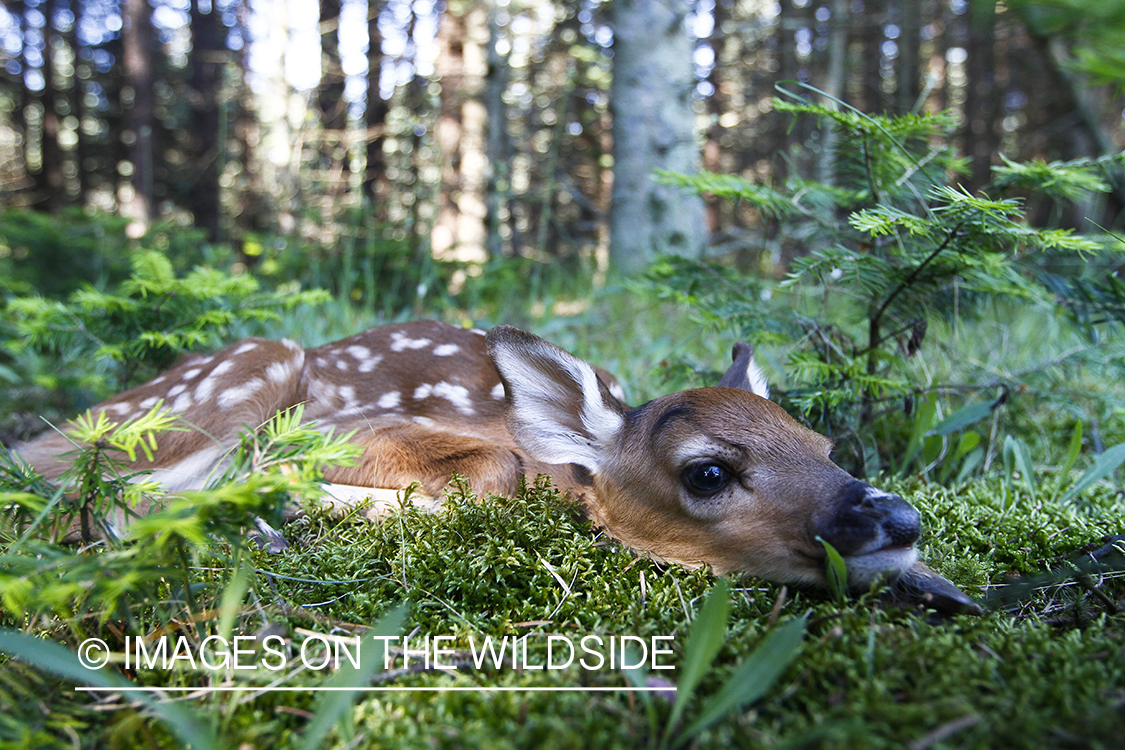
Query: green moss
{"points": [[1048, 671]]}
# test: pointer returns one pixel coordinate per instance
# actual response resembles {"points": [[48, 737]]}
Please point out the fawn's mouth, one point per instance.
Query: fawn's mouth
{"points": [[888, 562]]}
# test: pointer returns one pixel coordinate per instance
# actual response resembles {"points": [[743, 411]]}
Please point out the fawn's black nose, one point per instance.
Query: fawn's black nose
{"points": [[867, 519]]}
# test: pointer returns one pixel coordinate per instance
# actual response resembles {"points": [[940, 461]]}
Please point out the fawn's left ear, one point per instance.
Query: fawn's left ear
{"points": [[559, 411], [745, 373]]}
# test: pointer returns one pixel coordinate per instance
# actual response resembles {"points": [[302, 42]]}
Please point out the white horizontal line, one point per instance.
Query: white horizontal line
{"points": [[453, 689]]}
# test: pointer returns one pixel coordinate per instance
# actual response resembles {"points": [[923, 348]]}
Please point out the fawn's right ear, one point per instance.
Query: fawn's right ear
{"points": [[744, 373], [559, 411]]}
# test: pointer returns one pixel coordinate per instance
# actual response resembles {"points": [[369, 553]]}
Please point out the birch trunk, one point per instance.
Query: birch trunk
{"points": [[653, 128]]}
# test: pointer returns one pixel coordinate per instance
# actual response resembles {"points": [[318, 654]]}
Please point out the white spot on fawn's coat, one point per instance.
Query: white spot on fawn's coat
{"points": [[370, 364], [239, 393], [458, 395], [182, 403], [401, 342], [278, 372]]}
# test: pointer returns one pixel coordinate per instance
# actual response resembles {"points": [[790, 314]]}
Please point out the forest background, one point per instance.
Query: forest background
{"points": [[477, 131]]}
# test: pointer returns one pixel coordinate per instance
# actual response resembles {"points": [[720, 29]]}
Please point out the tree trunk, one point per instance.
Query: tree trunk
{"points": [[497, 144], [375, 118], [331, 105], [909, 56], [1071, 129], [14, 173], [80, 154], [872, 29], [207, 54], [981, 140], [414, 101], [138, 49], [279, 166], [50, 188], [330, 93], [719, 212], [653, 128], [459, 229], [253, 212], [833, 88]]}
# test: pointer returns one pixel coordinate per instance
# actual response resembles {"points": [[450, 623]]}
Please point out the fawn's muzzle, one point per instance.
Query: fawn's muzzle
{"points": [[866, 520]]}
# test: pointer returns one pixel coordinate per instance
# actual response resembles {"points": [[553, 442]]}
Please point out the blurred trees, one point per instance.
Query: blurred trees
{"points": [[478, 130]]}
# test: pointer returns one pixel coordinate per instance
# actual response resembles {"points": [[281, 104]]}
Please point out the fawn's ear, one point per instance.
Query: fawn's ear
{"points": [[559, 411], [744, 373]]}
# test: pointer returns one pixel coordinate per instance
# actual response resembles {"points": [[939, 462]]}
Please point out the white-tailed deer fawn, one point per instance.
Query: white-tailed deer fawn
{"points": [[714, 476]]}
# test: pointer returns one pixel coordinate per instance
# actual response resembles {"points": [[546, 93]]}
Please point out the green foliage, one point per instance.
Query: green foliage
{"points": [[54, 255], [1061, 180], [898, 251], [101, 488], [1104, 465], [734, 188], [338, 698], [101, 492], [1094, 30], [298, 451], [368, 265], [881, 159], [56, 659], [144, 324], [931, 451], [1044, 667], [1094, 301]]}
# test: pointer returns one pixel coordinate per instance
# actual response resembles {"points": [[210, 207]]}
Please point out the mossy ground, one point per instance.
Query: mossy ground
{"points": [[1047, 670]]}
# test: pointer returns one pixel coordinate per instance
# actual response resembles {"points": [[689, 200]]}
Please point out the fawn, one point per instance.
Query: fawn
{"points": [[716, 476]]}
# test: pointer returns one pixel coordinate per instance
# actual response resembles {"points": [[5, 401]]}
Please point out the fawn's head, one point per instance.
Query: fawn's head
{"points": [[718, 476]]}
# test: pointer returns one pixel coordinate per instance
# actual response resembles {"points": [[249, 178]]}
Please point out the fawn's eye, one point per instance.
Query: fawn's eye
{"points": [[706, 478]]}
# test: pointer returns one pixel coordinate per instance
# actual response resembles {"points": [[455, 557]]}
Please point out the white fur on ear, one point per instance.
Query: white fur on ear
{"points": [[744, 373], [758, 383], [558, 409]]}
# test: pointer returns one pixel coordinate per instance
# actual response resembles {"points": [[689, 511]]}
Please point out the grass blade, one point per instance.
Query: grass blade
{"points": [[708, 632], [926, 412], [1072, 452], [1017, 454], [836, 571], [963, 417], [331, 705], [1103, 466], [752, 679], [233, 596]]}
